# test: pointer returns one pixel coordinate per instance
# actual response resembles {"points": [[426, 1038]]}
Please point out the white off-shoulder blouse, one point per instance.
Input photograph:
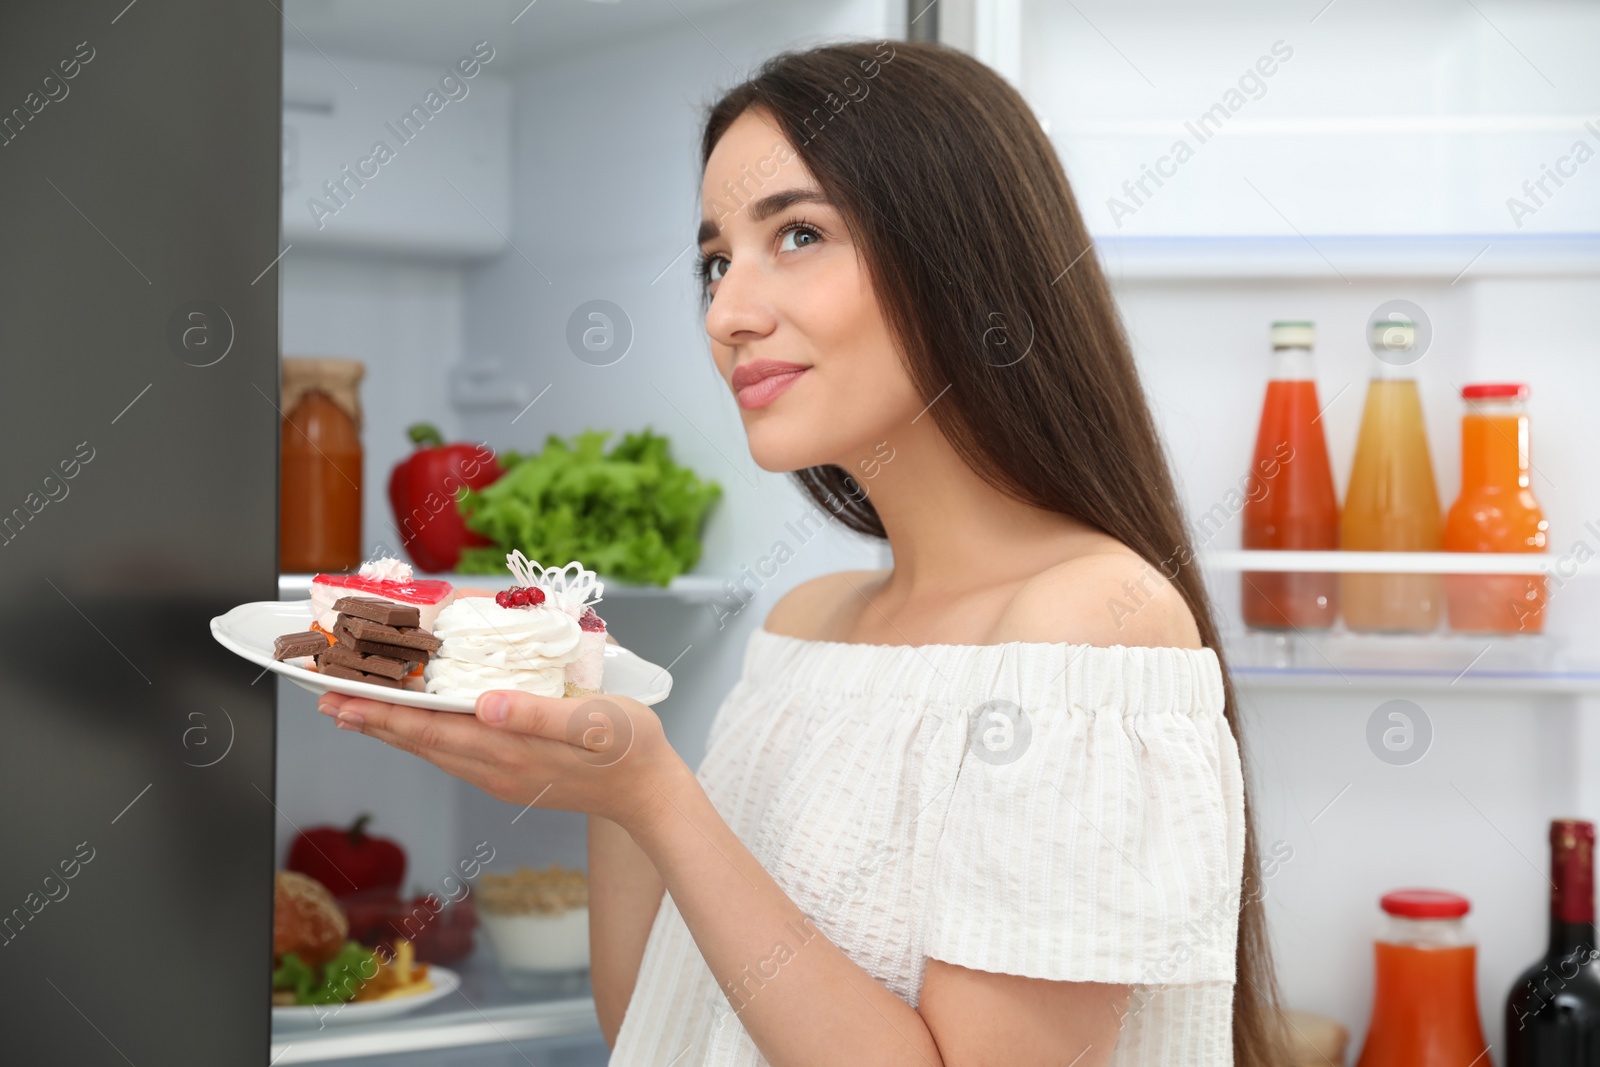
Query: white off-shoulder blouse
{"points": [[1059, 811]]}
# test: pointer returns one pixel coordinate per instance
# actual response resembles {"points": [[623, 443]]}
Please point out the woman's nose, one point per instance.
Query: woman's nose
{"points": [[741, 310]]}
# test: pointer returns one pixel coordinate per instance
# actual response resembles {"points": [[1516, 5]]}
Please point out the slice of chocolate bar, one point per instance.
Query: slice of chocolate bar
{"points": [[386, 612], [403, 636], [349, 657], [306, 643], [333, 670], [377, 648]]}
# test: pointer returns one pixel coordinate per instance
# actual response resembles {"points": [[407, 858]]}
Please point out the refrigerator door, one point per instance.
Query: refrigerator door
{"points": [[139, 172]]}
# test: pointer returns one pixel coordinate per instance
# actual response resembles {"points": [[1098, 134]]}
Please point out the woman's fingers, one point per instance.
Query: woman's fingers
{"points": [[524, 713], [417, 729], [601, 726]]}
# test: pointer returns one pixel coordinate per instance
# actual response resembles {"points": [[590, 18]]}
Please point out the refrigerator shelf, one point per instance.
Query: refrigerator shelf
{"points": [[462, 1028], [1238, 559], [484, 1011], [1454, 662]]}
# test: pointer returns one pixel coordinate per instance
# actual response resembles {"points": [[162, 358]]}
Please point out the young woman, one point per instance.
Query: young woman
{"points": [[985, 806]]}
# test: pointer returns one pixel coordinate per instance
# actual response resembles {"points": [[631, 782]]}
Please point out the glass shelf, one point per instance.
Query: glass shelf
{"points": [[1557, 661], [1338, 658], [484, 1011], [688, 588], [1238, 559], [1443, 256]]}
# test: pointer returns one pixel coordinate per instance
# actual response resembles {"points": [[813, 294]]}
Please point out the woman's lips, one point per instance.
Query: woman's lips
{"points": [[763, 392]]}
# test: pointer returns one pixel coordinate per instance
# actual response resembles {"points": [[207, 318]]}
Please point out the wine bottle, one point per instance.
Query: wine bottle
{"points": [[1553, 1010]]}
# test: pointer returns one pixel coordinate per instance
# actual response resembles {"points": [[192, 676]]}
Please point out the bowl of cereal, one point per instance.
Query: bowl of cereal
{"points": [[537, 921]]}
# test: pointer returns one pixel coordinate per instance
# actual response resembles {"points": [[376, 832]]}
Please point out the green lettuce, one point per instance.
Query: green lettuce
{"points": [[341, 976], [631, 513]]}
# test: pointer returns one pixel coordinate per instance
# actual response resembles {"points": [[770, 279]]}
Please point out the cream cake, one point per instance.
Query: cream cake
{"points": [[541, 636]]}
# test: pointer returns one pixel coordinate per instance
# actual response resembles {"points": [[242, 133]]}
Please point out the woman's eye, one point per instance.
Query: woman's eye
{"points": [[713, 268], [798, 237]]}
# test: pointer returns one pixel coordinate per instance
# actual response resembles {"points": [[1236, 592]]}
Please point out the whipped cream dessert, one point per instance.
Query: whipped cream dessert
{"points": [[542, 636], [484, 645]]}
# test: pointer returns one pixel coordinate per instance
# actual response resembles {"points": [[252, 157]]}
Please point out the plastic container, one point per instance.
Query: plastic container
{"points": [[538, 923], [1392, 504], [1496, 512], [1425, 1000], [1291, 502]]}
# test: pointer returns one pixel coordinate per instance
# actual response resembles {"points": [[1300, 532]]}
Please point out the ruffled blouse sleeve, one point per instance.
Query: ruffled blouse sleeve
{"points": [[1095, 825]]}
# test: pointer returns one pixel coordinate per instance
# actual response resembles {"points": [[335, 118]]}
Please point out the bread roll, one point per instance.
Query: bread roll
{"points": [[306, 920]]}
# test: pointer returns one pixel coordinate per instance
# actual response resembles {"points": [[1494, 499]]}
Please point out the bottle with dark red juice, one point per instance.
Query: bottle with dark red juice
{"points": [[1291, 502], [1553, 1010]]}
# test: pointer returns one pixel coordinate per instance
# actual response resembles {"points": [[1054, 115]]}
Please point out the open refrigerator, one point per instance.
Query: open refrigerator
{"points": [[1391, 154]]}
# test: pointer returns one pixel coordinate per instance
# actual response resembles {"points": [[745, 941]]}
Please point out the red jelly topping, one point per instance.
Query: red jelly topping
{"points": [[591, 622], [427, 591]]}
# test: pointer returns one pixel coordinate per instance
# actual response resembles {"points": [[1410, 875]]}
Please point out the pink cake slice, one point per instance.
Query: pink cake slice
{"points": [[428, 596]]}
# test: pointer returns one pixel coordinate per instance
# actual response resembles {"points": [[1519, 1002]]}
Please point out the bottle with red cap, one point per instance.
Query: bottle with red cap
{"points": [[1496, 512], [1553, 1010], [1424, 999]]}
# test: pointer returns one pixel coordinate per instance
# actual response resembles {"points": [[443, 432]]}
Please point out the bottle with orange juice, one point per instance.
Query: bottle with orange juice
{"points": [[1425, 993], [1496, 512], [1392, 504]]}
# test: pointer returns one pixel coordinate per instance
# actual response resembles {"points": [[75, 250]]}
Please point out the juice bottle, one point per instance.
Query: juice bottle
{"points": [[1392, 504], [1424, 997], [1496, 512], [1291, 502]]}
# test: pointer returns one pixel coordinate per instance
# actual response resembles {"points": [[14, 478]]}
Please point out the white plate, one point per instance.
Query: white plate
{"points": [[250, 629], [301, 1017]]}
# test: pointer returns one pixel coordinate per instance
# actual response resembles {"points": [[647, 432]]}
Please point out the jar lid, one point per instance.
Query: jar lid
{"points": [[1293, 334], [338, 379], [1425, 904], [1495, 391]]}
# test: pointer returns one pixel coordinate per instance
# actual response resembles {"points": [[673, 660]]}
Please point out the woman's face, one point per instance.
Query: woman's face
{"points": [[795, 328]]}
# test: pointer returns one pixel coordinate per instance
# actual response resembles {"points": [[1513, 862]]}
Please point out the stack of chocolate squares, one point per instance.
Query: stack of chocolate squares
{"points": [[379, 641]]}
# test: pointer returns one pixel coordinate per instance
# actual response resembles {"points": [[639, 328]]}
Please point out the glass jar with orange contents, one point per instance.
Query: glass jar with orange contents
{"points": [[1425, 997], [1496, 512], [320, 474]]}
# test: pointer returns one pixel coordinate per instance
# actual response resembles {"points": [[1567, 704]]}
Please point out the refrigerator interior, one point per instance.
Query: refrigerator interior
{"points": [[1376, 163]]}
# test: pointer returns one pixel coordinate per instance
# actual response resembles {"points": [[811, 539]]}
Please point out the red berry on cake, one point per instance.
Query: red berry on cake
{"points": [[519, 597], [503, 598], [591, 622], [535, 596]]}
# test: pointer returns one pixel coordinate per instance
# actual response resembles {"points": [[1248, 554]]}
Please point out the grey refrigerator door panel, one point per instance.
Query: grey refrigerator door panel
{"points": [[139, 178]]}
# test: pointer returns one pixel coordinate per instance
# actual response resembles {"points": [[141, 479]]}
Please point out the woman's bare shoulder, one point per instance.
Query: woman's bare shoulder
{"points": [[807, 610], [1107, 597]]}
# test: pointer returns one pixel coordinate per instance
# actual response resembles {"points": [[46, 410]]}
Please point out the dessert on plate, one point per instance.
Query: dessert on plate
{"points": [[383, 579], [538, 920], [542, 636], [372, 640]]}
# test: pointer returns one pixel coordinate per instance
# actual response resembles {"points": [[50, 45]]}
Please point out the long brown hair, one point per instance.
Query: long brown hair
{"points": [[982, 264]]}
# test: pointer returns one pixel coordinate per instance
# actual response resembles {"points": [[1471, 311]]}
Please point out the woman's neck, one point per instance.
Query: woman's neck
{"points": [[952, 531]]}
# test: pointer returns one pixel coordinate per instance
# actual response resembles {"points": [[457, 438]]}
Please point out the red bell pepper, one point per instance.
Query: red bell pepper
{"points": [[350, 862], [424, 491]]}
